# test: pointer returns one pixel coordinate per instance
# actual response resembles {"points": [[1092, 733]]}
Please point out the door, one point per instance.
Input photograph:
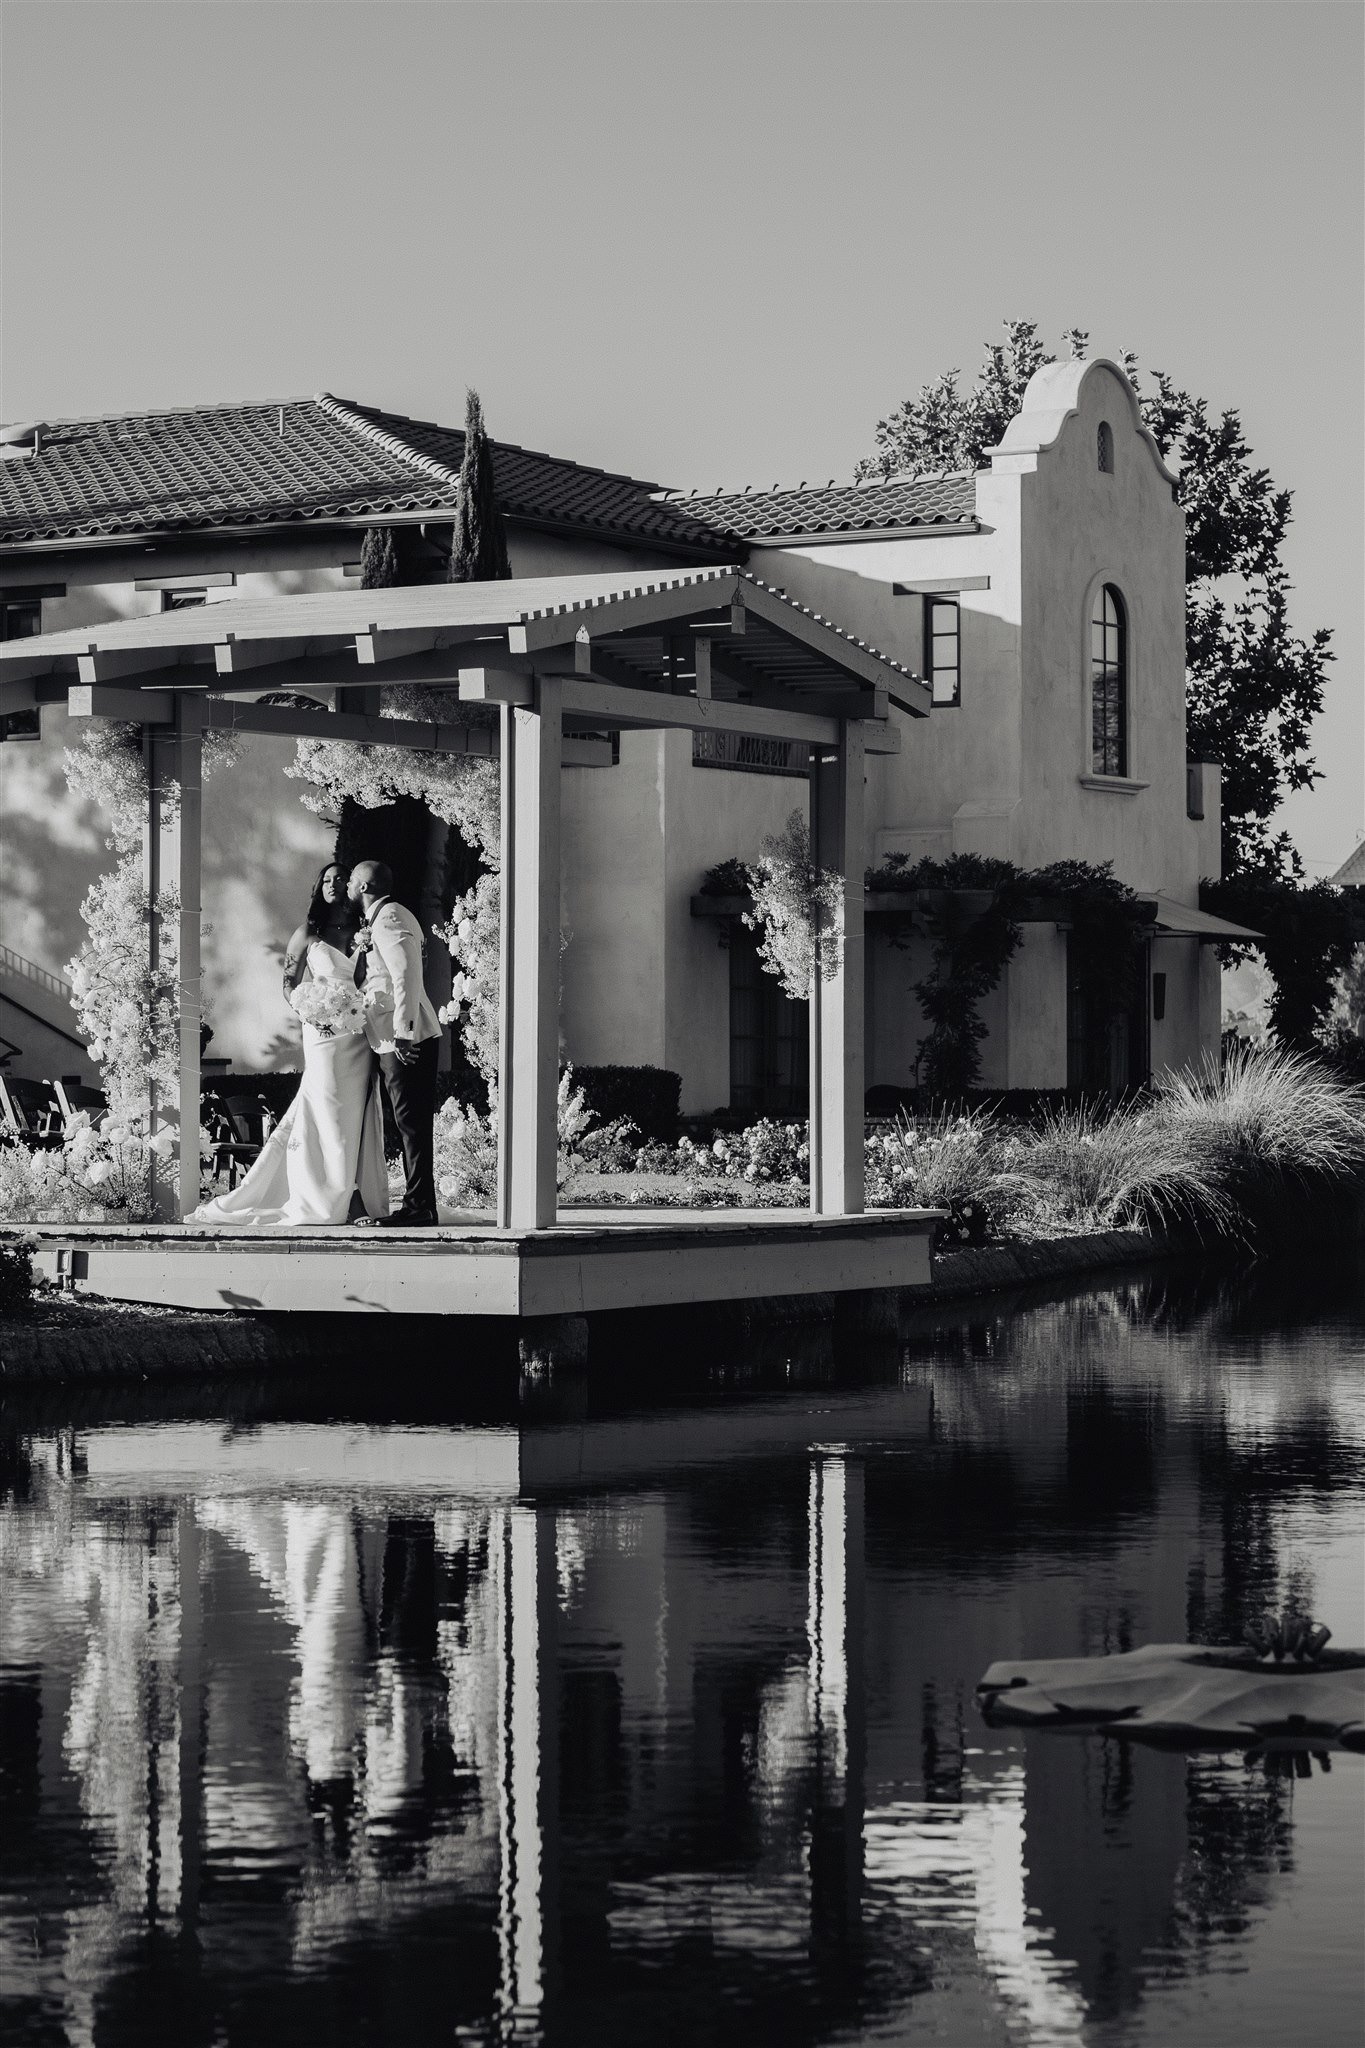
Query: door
{"points": [[1108, 1050], [769, 1036]]}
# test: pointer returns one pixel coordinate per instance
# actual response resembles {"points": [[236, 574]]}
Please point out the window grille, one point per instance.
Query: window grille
{"points": [[1105, 441], [942, 645], [1109, 684], [749, 753]]}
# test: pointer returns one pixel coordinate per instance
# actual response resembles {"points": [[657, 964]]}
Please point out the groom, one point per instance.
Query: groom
{"points": [[404, 1030]]}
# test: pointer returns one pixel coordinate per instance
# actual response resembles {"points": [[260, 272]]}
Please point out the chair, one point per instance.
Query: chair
{"points": [[73, 1096], [30, 1112], [243, 1123]]}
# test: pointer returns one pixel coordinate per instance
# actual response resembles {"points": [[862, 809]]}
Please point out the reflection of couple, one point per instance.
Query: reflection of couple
{"points": [[325, 1160]]}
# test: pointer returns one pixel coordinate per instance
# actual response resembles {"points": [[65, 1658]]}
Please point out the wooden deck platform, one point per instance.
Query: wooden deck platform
{"points": [[588, 1261]]}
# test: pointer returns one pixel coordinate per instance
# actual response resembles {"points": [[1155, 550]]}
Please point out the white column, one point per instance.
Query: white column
{"points": [[527, 1744], [528, 1040], [836, 1011], [836, 1703], [172, 859], [189, 851]]}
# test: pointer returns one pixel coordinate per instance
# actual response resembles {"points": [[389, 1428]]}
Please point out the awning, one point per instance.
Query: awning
{"points": [[1180, 920]]}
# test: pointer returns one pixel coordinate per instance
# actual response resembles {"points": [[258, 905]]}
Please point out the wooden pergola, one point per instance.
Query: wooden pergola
{"points": [[566, 660]]}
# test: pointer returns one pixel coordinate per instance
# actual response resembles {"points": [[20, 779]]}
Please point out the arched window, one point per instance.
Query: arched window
{"points": [[1105, 441], [1109, 683]]}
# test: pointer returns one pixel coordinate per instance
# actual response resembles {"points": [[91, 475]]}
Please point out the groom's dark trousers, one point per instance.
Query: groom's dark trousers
{"points": [[412, 1098]]}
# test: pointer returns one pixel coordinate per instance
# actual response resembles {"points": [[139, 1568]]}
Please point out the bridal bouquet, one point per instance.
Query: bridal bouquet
{"points": [[333, 1007]]}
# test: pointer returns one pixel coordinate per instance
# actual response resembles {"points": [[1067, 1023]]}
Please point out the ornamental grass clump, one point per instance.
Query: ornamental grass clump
{"points": [[1091, 1167], [1264, 1122]]}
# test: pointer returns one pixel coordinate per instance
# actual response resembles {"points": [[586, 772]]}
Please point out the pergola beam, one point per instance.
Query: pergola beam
{"points": [[221, 714], [837, 648], [608, 704], [615, 615]]}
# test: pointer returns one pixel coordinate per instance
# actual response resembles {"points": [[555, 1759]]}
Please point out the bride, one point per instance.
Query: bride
{"points": [[329, 1146]]}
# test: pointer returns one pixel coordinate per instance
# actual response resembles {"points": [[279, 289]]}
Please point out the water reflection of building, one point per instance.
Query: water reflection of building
{"points": [[501, 1751]]}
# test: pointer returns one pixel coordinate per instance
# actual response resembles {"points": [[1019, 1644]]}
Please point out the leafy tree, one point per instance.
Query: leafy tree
{"points": [[1253, 687], [1310, 937], [479, 549]]}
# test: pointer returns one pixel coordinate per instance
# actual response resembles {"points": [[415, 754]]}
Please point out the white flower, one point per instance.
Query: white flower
{"points": [[98, 1173], [163, 1144]]}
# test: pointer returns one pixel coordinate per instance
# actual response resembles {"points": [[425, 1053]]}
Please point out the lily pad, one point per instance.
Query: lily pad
{"points": [[1187, 1696]]}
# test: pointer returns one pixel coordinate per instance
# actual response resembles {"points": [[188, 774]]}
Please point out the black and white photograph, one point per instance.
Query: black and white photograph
{"points": [[682, 1023]]}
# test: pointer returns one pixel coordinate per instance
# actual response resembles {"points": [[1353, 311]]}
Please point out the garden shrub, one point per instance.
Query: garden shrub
{"points": [[16, 1277], [466, 1145], [646, 1096], [936, 1161], [611, 1148], [727, 878]]}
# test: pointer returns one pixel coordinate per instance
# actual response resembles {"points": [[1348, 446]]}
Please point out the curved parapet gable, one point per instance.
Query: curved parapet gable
{"points": [[1052, 397]]}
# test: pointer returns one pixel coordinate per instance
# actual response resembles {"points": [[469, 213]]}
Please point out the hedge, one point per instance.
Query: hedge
{"points": [[647, 1095]]}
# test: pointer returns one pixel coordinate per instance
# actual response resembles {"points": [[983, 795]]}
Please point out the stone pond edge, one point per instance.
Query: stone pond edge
{"points": [[118, 1341]]}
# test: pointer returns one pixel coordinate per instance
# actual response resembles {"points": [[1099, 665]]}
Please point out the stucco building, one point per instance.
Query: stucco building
{"points": [[1043, 597]]}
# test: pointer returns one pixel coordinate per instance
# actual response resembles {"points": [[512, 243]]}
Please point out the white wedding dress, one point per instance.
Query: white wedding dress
{"points": [[331, 1139]]}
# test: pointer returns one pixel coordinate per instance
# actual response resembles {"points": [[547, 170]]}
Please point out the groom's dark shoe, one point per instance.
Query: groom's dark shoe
{"points": [[406, 1219]]}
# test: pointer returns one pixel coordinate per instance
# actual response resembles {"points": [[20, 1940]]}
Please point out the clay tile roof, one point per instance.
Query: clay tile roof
{"points": [[835, 508], [230, 465]]}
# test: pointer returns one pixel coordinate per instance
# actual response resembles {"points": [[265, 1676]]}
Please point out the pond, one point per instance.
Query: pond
{"points": [[380, 1712]]}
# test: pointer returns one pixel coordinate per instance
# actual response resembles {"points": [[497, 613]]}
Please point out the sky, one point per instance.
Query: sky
{"points": [[705, 243]]}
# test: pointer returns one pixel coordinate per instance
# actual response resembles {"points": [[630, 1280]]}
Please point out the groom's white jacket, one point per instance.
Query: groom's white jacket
{"points": [[396, 1001]]}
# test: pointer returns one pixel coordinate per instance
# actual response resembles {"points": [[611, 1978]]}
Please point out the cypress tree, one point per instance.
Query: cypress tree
{"points": [[379, 559], [479, 546], [397, 834]]}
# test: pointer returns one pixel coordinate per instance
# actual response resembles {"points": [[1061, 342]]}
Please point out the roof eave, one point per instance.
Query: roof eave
{"points": [[828, 536], [249, 529]]}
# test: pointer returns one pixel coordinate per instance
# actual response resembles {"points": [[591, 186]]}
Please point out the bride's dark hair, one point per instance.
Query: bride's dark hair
{"points": [[320, 911]]}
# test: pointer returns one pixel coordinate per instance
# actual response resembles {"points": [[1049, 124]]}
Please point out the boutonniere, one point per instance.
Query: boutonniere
{"points": [[363, 940]]}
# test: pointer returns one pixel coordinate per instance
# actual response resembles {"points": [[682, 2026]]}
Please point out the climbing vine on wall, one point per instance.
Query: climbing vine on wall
{"points": [[971, 941], [970, 948], [972, 944]]}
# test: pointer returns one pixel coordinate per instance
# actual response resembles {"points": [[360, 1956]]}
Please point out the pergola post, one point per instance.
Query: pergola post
{"points": [[836, 1009], [528, 1035], [172, 859]]}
